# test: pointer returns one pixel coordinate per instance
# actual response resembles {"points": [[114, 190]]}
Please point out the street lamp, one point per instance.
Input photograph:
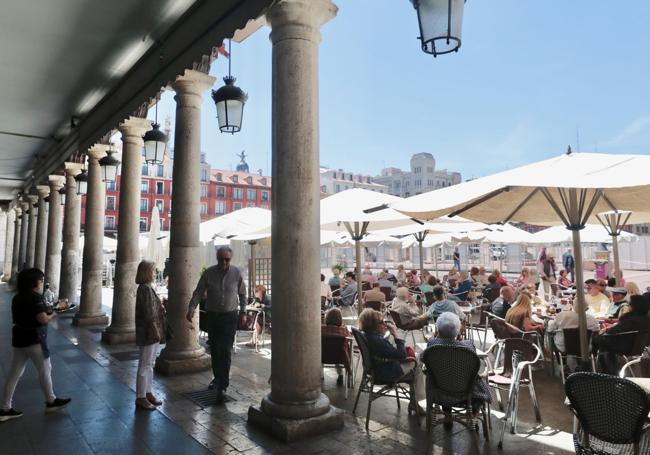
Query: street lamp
{"points": [[109, 165], [62, 193], [441, 25], [82, 182], [155, 144], [229, 101]]}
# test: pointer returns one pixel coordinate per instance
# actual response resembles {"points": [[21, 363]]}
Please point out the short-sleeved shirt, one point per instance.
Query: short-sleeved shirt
{"points": [[27, 331]]}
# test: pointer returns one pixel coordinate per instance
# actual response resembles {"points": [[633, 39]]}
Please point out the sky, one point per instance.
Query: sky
{"points": [[531, 78]]}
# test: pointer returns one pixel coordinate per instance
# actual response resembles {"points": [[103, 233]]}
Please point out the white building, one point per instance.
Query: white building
{"points": [[422, 177], [337, 180]]}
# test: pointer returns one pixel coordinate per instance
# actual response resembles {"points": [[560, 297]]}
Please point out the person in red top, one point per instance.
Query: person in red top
{"points": [[500, 278]]}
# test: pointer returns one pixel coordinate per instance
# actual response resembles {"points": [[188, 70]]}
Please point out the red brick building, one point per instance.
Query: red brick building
{"points": [[222, 192]]}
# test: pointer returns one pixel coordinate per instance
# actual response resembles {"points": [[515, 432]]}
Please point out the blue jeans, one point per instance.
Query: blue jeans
{"points": [[221, 332]]}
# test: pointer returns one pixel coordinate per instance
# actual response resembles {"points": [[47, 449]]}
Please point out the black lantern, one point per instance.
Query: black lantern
{"points": [[62, 193], [155, 143], [82, 182], [229, 101], [110, 165], [441, 25]]}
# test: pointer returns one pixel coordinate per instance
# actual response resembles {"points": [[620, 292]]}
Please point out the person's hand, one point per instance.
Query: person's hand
{"points": [[391, 328], [190, 315]]}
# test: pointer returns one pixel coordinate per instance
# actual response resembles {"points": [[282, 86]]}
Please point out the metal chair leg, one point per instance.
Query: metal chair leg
{"points": [[399, 407], [369, 405], [356, 402], [559, 355], [533, 397]]}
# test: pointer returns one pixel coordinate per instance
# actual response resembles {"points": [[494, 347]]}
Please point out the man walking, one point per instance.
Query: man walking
{"points": [[569, 264], [225, 304]]}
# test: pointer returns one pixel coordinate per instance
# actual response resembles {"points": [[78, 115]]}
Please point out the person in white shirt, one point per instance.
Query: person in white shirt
{"points": [[597, 302], [410, 314], [569, 320]]}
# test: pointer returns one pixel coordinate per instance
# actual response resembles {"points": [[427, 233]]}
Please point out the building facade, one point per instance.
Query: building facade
{"points": [[336, 180], [421, 178]]}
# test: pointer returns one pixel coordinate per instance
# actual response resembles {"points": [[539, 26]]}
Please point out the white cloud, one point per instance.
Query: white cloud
{"points": [[630, 132]]}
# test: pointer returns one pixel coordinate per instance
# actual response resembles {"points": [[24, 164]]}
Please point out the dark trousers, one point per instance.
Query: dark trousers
{"points": [[221, 332]]}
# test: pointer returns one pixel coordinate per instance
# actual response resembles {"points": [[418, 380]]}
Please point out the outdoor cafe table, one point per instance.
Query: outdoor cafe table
{"points": [[644, 383]]}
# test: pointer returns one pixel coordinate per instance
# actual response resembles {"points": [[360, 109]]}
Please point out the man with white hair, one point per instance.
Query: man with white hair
{"points": [[225, 304], [502, 304], [409, 313]]}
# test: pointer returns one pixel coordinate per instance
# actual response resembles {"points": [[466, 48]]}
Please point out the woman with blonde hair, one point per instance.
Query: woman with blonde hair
{"points": [[521, 315], [150, 332], [632, 289]]}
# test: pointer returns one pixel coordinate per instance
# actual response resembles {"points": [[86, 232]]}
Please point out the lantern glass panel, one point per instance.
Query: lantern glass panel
{"points": [[82, 187], [110, 172], [441, 25], [230, 114], [154, 151]]}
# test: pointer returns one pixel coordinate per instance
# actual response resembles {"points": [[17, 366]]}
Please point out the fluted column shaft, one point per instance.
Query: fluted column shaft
{"points": [[24, 233], [183, 353], [9, 244], [54, 231], [31, 233], [122, 328], [71, 231], [41, 228], [90, 305], [16, 249]]}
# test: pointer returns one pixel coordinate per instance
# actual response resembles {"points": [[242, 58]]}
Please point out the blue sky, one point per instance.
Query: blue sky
{"points": [[529, 75]]}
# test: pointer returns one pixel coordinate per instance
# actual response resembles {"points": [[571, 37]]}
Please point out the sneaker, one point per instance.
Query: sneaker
{"points": [[58, 403], [9, 414]]}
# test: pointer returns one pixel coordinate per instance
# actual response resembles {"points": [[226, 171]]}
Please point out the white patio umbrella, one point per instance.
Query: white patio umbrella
{"points": [[614, 222], [346, 211], [240, 222], [154, 249], [109, 245], [570, 189]]}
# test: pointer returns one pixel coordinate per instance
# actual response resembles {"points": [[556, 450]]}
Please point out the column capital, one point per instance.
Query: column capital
{"points": [[43, 190], [299, 19], [193, 82], [134, 127], [72, 169], [18, 209], [97, 151], [32, 198], [56, 182]]}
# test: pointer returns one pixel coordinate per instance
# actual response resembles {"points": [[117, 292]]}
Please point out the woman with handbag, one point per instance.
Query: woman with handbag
{"points": [[150, 332]]}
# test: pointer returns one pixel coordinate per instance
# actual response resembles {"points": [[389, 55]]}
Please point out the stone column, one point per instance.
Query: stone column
{"points": [[122, 328], [183, 354], [16, 249], [9, 244], [296, 407], [31, 233], [24, 234], [90, 305], [41, 229], [54, 224], [71, 231]]}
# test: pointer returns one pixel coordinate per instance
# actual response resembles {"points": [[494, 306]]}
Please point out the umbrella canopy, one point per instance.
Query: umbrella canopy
{"points": [[592, 233], [109, 245], [570, 189], [240, 222], [154, 250]]}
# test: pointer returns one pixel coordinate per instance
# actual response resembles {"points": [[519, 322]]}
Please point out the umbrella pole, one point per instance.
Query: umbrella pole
{"points": [[435, 259], [421, 252], [357, 247], [252, 271], [617, 270], [580, 297]]}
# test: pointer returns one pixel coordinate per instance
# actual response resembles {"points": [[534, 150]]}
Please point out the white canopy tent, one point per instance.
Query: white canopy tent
{"points": [[592, 233], [570, 189]]}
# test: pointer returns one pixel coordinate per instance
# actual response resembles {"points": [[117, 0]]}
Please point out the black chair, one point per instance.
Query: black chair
{"points": [[428, 298], [394, 315], [335, 352], [571, 348], [368, 381], [387, 292], [610, 409], [627, 345], [451, 374], [375, 305]]}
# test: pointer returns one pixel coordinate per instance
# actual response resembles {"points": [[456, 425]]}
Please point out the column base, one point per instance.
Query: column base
{"points": [[289, 430], [113, 337], [81, 320], [173, 367]]}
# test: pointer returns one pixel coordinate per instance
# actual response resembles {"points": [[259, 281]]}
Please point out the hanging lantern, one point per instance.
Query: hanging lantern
{"points": [[110, 165], [82, 182], [62, 193], [155, 144], [229, 101], [441, 25]]}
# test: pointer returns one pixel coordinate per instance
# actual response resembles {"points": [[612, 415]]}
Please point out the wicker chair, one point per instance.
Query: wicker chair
{"points": [[451, 373], [394, 315], [608, 408], [571, 348], [481, 326], [510, 377], [369, 383]]}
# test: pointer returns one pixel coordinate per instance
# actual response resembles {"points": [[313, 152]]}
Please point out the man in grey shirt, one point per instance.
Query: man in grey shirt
{"points": [[226, 302]]}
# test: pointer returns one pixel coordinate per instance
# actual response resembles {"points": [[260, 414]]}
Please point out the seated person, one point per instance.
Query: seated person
{"points": [[475, 277], [492, 288], [413, 281], [483, 277], [428, 286], [596, 300], [617, 307], [463, 287], [391, 368], [409, 313], [636, 319], [632, 289], [564, 280], [521, 315], [401, 275], [452, 277], [335, 282], [333, 327], [502, 304], [532, 293], [350, 289], [384, 280], [367, 275], [448, 328], [374, 294], [325, 291], [500, 278], [441, 305], [569, 320], [262, 301]]}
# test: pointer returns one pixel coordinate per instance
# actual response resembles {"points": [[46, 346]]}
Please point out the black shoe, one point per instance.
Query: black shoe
{"points": [[221, 397], [339, 380], [9, 414], [212, 384], [58, 403]]}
